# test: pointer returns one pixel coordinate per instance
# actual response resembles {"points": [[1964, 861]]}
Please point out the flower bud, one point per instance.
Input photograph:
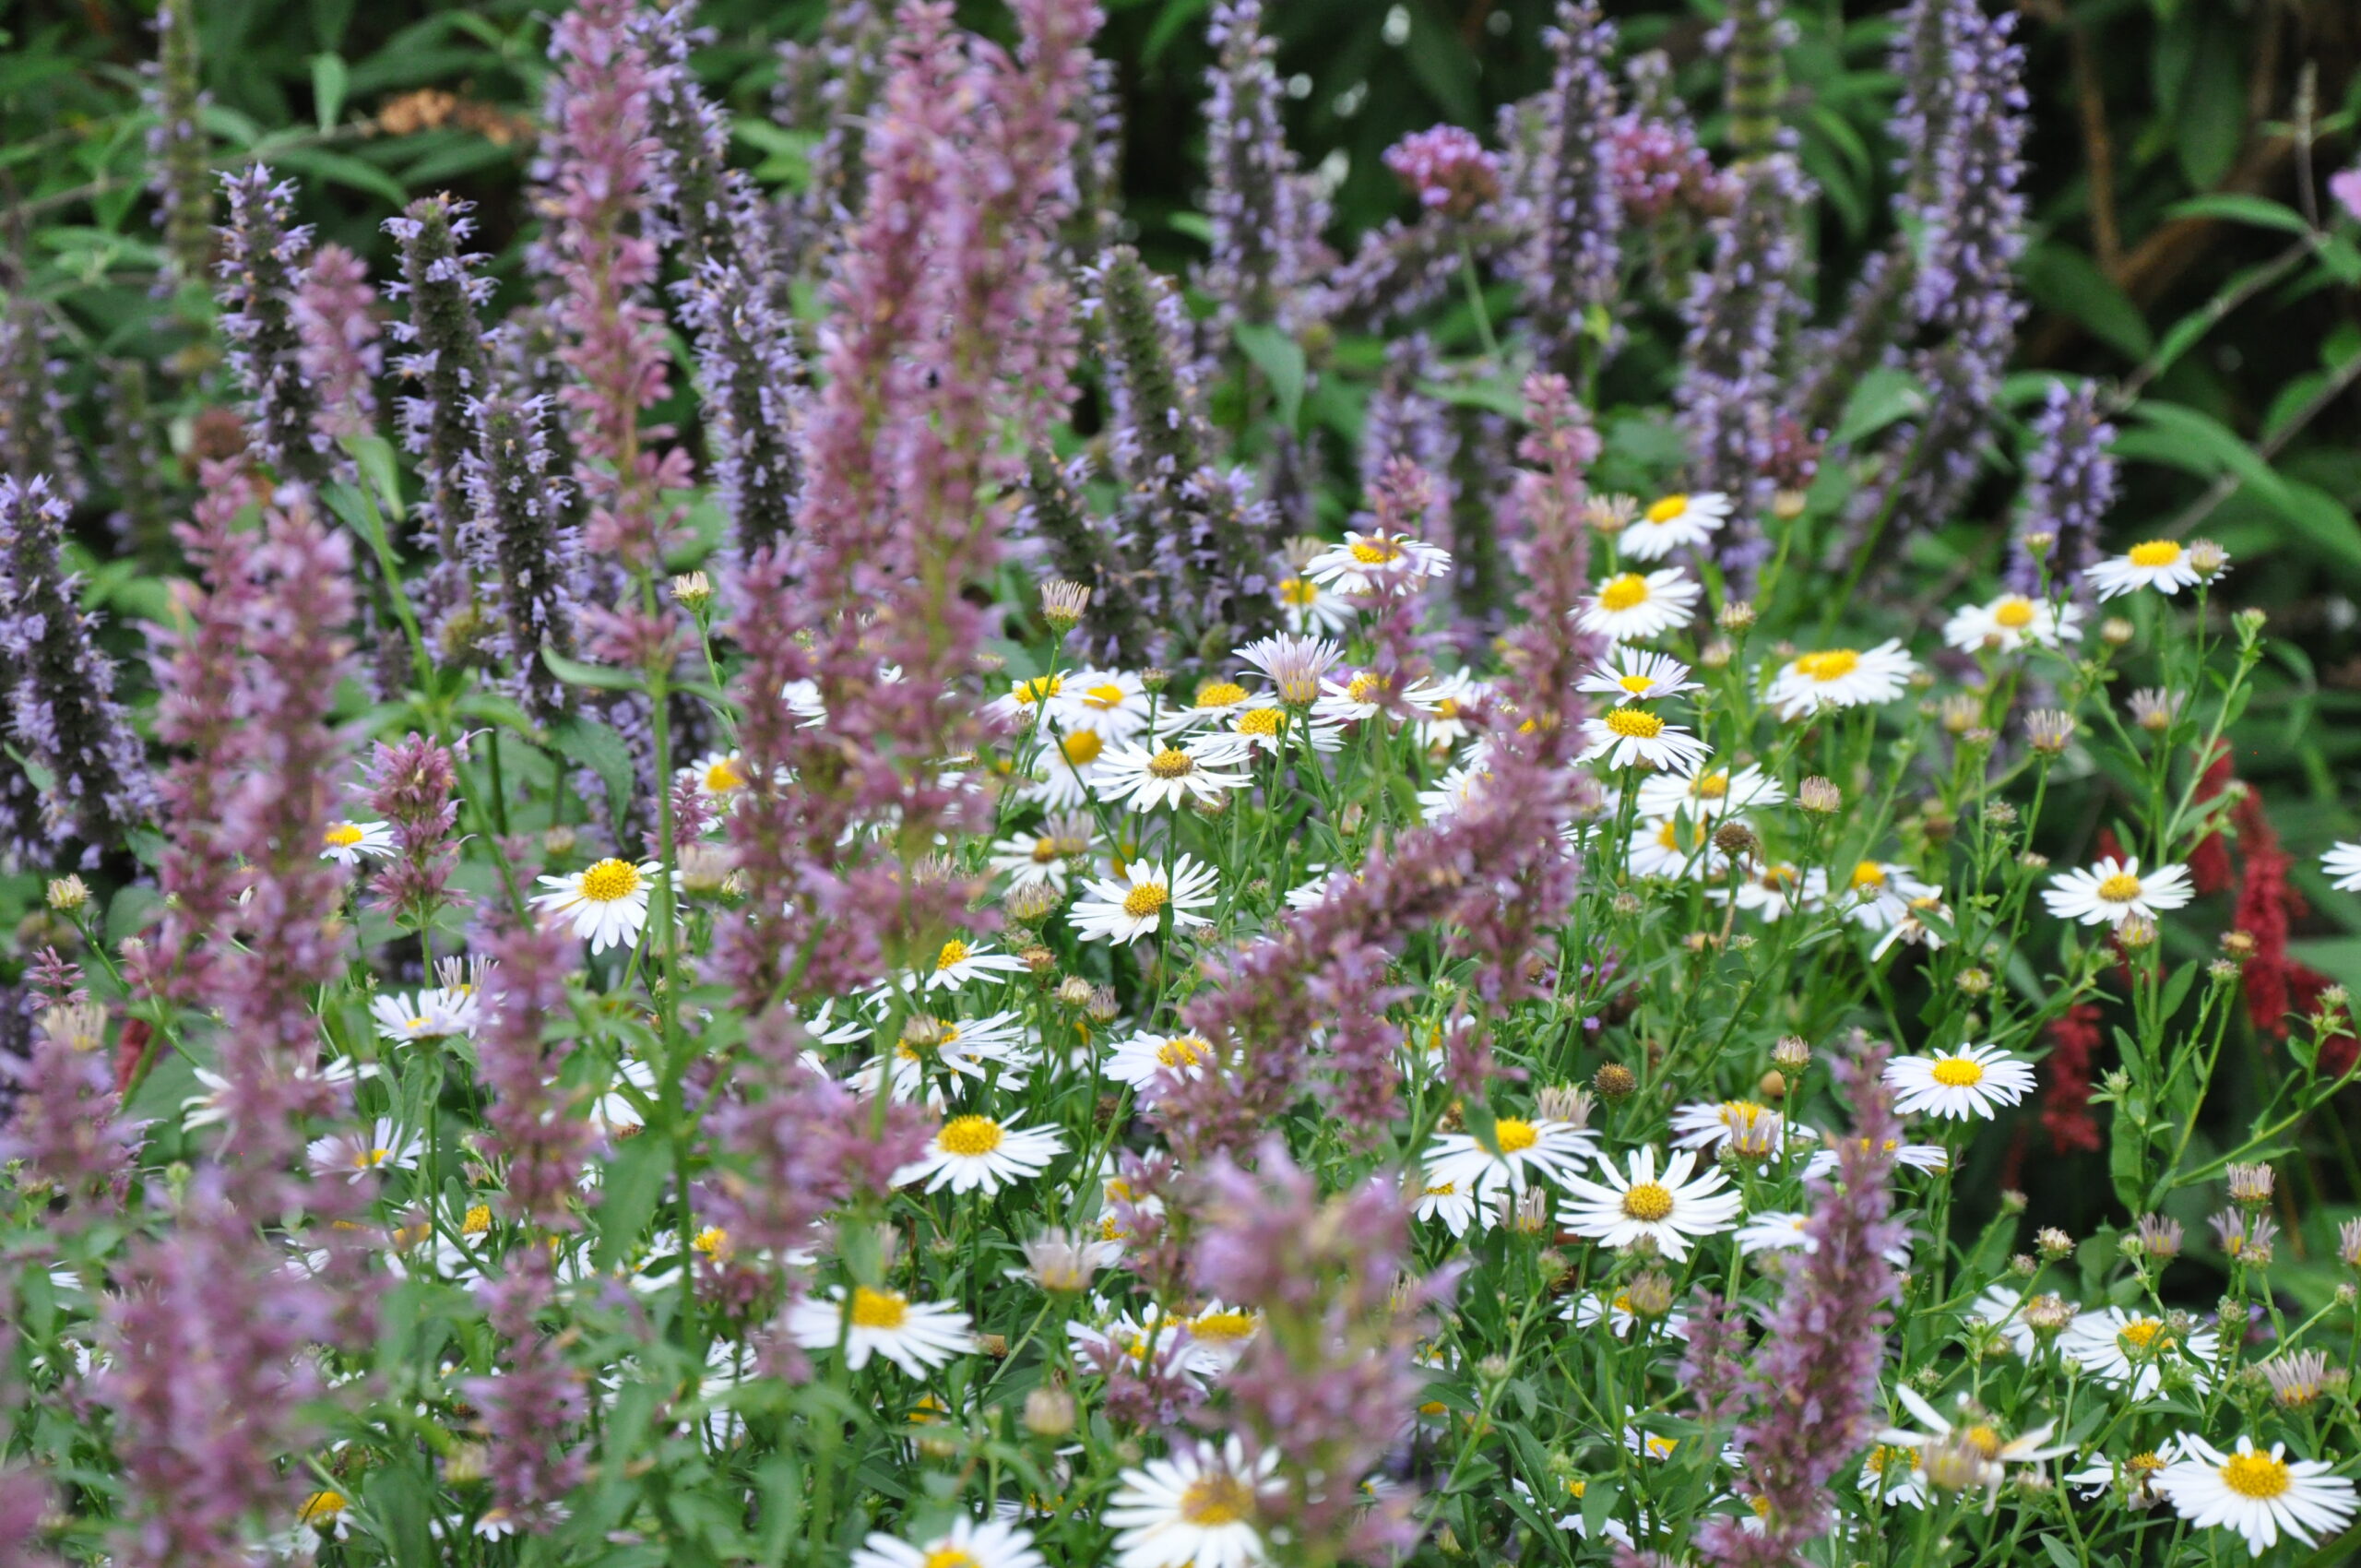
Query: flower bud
{"points": [[67, 894], [1821, 796], [1614, 1081], [2052, 1242], [1049, 1413]]}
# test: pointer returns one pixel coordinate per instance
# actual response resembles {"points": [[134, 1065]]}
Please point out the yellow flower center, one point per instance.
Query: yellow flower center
{"points": [[1663, 511], [1648, 1201], [2015, 615], [320, 1508], [609, 879], [342, 835], [722, 777], [879, 1309], [1957, 1073], [1868, 873], [950, 1557], [1634, 725], [1103, 696], [2257, 1475], [1364, 687], [1216, 1499], [1082, 747], [1636, 684], [713, 1242], [1221, 693], [2139, 1337], [1778, 879], [1228, 1325], [1624, 592], [1027, 693], [1377, 552], [1145, 899], [1045, 850], [1574, 1489], [1829, 664], [2155, 553], [1670, 834], [1181, 1050], [1266, 721], [1711, 786], [370, 1158], [2146, 1464], [476, 1221], [955, 952], [1299, 593], [2120, 888], [1659, 1447], [1171, 763], [969, 1136], [1984, 1440], [1515, 1134]]}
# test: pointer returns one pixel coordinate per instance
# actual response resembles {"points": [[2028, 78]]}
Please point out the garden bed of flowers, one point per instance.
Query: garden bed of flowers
{"points": [[842, 888]]}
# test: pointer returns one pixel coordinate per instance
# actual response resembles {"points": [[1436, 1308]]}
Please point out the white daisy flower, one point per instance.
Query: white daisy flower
{"points": [[1201, 1506], [2258, 1495], [1674, 521], [1841, 677], [2112, 891], [1308, 607], [2342, 865], [1773, 893], [381, 1145], [1669, 1211], [211, 1108], [430, 1014], [1546, 1147], [606, 903], [1632, 674], [1575, 1488], [968, 1152], [718, 776], [1045, 856], [1959, 1083], [1992, 1452], [1364, 695], [2131, 1349], [1169, 775], [2004, 1310], [1110, 703], [957, 962], [1784, 1230], [1878, 895], [1913, 1157], [1064, 777], [1445, 724], [2011, 622], [804, 699], [915, 1336], [1154, 1337], [1752, 1129], [2136, 1476], [1267, 729], [1220, 1334], [1293, 665], [1215, 701], [1590, 1308], [1893, 1471], [1142, 1061], [2159, 564], [348, 843], [1632, 736], [1455, 1204], [1917, 925], [965, 1048], [1027, 702], [1674, 847], [1710, 794], [1126, 909], [1460, 783], [969, 1543], [618, 1113], [1631, 607], [1368, 563]]}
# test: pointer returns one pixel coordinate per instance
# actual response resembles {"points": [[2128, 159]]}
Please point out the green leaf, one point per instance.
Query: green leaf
{"points": [[1880, 397], [329, 78], [601, 750], [2208, 114], [337, 167], [634, 1181], [374, 455], [1495, 395], [599, 677], [2059, 1553], [2259, 210], [1280, 359], [2062, 278], [397, 1495]]}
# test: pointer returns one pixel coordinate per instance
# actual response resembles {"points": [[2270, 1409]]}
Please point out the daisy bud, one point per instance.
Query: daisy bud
{"points": [[2154, 708], [705, 868], [2052, 1242], [1614, 1081], [1153, 680], [1532, 1213], [1649, 1295], [1103, 1007], [2033, 860], [1552, 1264], [2348, 1244], [1563, 1102], [2159, 1238], [2223, 971], [2115, 631], [1955, 1464], [692, 591], [2250, 622], [2024, 1266], [1792, 1054], [1998, 813], [1771, 1086], [1074, 992], [1049, 1413], [2038, 544], [1717, 655], [67, 894], [1821, 796], [2047, 1315], [1787, 506], [1608, 516], [2238, 945], [1032, 903], [1737, 840], [558, 842], [2250, 1184], [1737, 617], [2050, 730], [1039, 960], [1973, 982], [1063, 603], [2207, 558], [2136, 933]]}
